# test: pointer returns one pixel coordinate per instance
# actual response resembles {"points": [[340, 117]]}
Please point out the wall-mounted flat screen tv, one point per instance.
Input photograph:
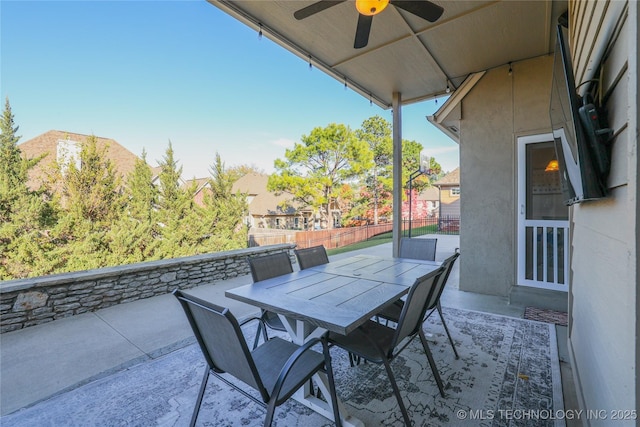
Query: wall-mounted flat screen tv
{"points": [[577, 148]]}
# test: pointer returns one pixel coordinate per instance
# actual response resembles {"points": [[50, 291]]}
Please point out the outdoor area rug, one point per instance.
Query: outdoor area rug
{"points": [[508, 374], [544, 315]]}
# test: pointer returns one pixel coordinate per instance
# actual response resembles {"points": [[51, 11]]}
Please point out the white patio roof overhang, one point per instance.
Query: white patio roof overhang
{"points": [[407, 59]]}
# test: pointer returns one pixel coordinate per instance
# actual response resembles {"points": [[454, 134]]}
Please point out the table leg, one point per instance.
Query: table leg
{"points": [[300, 332]]}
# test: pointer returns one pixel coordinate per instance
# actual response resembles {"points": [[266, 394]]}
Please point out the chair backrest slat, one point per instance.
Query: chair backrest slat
{"points": [[415, 306], [268, 266], [221, 340], [310, 257], [416, 248]]}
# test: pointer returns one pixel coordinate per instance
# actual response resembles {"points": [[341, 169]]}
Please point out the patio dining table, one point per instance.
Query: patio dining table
{"points": [[338, 297]]}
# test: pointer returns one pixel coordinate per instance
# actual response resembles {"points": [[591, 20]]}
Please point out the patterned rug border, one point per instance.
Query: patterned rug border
{"points": [[558, 394]]}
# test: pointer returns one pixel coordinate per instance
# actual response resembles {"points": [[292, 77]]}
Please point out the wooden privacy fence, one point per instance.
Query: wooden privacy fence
{"points": [[334, 238], [274, 237], [339, 237]]}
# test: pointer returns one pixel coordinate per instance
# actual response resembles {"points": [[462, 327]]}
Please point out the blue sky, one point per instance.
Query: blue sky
{"points": [[148, 72]]}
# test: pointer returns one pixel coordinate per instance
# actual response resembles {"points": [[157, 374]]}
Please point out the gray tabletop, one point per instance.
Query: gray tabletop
{"points": [[339, 296], [400, 271]]}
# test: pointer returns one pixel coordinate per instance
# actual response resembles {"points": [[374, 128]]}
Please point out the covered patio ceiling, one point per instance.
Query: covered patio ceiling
{"points": [[407, 59], [407, 54]]}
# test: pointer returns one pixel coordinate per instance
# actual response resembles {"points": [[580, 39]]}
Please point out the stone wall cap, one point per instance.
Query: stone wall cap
{"points": [[98, 273]]}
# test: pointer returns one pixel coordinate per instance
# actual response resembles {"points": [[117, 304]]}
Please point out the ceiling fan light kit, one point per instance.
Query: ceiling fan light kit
{"points": [[371, 7]]}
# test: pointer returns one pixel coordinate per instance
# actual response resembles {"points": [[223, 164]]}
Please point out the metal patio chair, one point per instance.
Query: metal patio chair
{"points": [[276, 369], [393, 311], [263, 268], [424, 249], [310, 257], [380, 344]]}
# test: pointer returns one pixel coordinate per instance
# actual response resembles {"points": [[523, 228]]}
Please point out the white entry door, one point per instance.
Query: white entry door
{"points": [[543, 220]]}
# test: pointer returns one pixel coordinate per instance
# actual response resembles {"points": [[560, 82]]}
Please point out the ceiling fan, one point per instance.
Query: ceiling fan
{"points": [[367, 9]]}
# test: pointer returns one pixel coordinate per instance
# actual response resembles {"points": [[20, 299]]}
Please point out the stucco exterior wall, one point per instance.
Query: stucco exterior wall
{"points": [[604, 299], [501, 107]]}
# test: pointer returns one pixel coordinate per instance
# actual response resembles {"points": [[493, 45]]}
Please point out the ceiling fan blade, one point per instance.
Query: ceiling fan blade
{"points": [[422, 8], [314, 8], [362, 31]]}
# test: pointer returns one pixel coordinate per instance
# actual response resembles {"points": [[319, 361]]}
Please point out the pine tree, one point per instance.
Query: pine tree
{"points": [[170, 195], [13, 176], [91, 192], [174, 205], [91, 200], [141, 194], [25, 215], [224, 211], [134, 237]]}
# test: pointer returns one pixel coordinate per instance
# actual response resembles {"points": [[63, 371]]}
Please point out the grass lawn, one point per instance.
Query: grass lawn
{"points": [[377, 240], [384, 238]]}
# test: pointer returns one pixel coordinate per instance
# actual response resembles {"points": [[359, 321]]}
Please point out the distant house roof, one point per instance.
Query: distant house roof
{"points": [[430, 194], [261, 201], [201, 188], [450, 179], [123, 160], [155, 172], [200, 183]]}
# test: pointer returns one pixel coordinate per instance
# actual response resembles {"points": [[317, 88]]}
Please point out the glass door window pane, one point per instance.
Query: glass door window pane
{"points": [[544, 194]]}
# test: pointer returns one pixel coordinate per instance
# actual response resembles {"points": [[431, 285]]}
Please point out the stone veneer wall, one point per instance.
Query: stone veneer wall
{"points": [[28, 302]]}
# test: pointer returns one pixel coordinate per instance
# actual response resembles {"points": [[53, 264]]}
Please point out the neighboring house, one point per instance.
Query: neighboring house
{"points": [[449, 194], [266, 208], [64, 147], [423, 205], [201, 185], [431, 198]]}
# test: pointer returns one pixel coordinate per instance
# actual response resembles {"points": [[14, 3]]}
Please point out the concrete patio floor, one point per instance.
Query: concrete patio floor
{"points": [[45, 360]]}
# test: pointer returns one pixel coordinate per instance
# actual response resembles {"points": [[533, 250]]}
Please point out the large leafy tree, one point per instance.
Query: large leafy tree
{"points": [[375, 196], [378, 181], [237, 172], [314, 169], [411, 163]]}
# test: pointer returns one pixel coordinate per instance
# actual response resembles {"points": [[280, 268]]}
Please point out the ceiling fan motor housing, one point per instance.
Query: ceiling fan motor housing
{"points": [[371, 7]]}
